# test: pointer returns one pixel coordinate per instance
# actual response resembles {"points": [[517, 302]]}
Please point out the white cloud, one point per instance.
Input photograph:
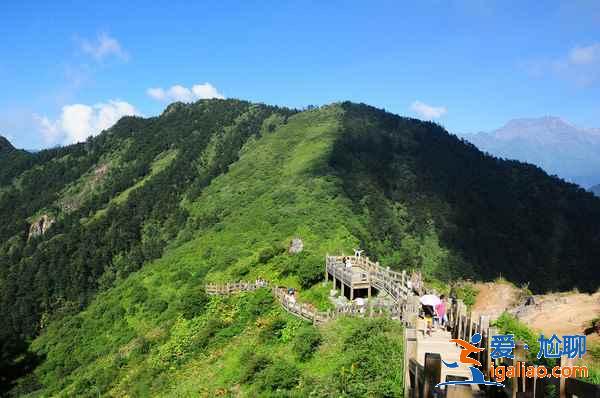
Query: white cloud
{"points": [[428, 111], [103, 47], [585, 55], [79, 121], [581, 65], [157, 93], [50, 130], [180, 93], [184, 94], [206, 90]]}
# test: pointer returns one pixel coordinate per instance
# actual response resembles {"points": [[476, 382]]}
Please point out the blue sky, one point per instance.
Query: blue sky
{"points": [[67, 70]]}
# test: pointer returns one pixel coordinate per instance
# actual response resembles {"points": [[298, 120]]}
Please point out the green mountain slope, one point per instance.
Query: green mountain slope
{"points": [[494, 217], [215, 191], [110, 229], [12, 161]]}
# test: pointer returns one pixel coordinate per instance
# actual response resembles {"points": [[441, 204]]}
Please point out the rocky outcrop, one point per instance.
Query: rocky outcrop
{"points": [[40, 226], [73, 197], [296, 246], [100, 172]]}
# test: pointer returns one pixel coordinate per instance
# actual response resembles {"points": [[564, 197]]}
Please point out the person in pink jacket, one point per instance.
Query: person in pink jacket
{"points": [[440, 311]]}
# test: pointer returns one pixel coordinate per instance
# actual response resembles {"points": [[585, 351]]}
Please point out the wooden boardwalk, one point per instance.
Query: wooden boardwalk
{"points": [[423, 352], [303, 310], [358, 272]]}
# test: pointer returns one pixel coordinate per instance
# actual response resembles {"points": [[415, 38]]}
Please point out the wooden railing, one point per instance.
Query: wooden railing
{"points": [[303, 310], [397, 284], [236, 287], [338, 270], [400, 286]]}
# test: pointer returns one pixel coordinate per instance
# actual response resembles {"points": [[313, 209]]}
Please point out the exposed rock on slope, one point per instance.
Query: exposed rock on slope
{"points": [[296, 246], [561, 313], [494, 298], [40, 226]]}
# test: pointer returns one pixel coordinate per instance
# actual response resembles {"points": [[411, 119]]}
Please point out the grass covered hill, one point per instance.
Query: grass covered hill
{"points": [[148, 211]]}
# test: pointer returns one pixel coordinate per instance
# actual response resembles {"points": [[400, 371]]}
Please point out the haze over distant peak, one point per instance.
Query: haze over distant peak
{"points": [[554, 144]]}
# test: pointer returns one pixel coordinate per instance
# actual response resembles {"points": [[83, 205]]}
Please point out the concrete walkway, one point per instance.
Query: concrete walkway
{"points": [[438, 343]]}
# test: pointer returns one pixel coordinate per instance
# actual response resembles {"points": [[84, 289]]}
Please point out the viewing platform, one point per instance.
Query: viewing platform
{"points": [[360, 276]]}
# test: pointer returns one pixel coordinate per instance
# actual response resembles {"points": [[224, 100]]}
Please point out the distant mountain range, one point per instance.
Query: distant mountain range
{"points": [[560, 148]]}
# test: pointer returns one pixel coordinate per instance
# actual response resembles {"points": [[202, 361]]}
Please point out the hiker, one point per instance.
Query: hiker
{"points": [[292, 295], [440, 311], [429, 302], [428, 314], [348, 263]]}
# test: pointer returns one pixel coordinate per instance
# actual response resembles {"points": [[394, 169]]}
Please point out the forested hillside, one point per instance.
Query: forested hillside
{"points": [[151, 209], [493, 217], [115, 203]]}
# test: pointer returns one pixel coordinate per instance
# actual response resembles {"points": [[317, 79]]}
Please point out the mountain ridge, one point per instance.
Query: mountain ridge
{"points": [[214, 191], [5, 144], [550, 142]]}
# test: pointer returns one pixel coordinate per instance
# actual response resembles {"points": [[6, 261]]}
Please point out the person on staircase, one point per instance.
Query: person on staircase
{"points": [[440, 312]]}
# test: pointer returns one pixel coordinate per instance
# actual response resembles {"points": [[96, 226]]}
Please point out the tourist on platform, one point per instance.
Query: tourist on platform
{"points": [[348, 263]]}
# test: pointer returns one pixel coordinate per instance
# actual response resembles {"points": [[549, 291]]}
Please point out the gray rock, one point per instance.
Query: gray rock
{"points": [[40, 226], [296, 246]]}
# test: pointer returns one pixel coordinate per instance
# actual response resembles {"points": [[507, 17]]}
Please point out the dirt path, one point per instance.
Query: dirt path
{"points": [[494, 298], [560, 313]]}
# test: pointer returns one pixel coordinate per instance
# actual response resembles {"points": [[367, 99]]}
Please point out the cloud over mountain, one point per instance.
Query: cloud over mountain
{"points": [[79, 121], [184, 94], [426, 111]]}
